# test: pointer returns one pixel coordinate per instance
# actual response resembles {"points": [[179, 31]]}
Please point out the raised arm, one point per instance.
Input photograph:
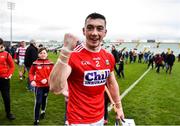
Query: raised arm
{"points": [[61, 70], [115, 94]]}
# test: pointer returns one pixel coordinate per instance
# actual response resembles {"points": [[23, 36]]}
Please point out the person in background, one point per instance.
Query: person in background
{"points": [[30, 56], [121, 67], [6, 70], [19, 59], [170, 62], [38, 75], [116, 57], [86, 69], [158, 62], [151, 61]]}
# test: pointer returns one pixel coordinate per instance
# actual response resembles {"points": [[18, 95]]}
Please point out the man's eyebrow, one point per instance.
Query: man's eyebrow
{"points": [[95, 25]]}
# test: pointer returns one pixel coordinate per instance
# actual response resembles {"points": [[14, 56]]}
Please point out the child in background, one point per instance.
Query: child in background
{"points": [[39, 74]]}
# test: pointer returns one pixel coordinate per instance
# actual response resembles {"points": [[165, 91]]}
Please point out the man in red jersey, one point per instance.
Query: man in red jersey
{"points": [[86, 69], [6, 71]]}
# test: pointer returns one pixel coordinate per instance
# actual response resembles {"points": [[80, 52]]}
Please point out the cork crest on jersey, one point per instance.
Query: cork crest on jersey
{"points": [[95, 77]]}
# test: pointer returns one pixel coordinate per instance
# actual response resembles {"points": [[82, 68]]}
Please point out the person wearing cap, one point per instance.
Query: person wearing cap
{"points": [[30, 56], [6, 70]]}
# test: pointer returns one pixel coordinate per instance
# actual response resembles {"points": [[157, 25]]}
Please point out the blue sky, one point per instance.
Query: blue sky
{"points": [[126, 19]]}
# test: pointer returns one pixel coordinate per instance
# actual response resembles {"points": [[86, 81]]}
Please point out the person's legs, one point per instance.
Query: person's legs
{"points": [[65, 114], [44, 101], [29, 86], [122, 73], [106, 101], [6, 95], [20, 69], [158, 68], [5, 91], [115, 68], [170, 69], [38, 102]]}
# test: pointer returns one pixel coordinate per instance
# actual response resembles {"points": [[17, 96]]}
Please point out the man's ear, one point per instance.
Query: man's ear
{"points": [[83, 29], [105, 32]]}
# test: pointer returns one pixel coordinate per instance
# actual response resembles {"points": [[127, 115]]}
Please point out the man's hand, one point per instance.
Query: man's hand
{"points": [[119, 114], [70, 41]]}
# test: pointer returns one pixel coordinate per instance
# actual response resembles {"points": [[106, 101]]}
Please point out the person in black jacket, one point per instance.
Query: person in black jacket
{"points": [[170, 61], [116, 57], [30, 56], [121, 67]]}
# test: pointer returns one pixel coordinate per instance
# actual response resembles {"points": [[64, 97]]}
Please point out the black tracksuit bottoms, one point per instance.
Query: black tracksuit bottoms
{"points": [[5, 92], [41, 94]]}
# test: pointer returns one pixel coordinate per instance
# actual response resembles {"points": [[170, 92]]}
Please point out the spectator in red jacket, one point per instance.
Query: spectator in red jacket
{"points": [[6, 71], [158, 62], [38, 75]]}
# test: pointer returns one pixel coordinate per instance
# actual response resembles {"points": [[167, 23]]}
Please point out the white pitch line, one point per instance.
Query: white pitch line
{"points": [[131, 87], [134, 84]]}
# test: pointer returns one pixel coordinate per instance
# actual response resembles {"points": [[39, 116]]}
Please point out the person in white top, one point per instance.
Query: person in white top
{"points": [[19, 59]]}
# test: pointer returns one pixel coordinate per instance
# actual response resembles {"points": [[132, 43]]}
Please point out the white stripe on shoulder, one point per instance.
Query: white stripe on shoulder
{"points": [[79, 47]]}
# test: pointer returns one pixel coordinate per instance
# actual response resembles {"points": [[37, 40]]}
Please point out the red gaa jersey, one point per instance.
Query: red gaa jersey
{"points": [[40, 70], [6, 64], [86, 85]]}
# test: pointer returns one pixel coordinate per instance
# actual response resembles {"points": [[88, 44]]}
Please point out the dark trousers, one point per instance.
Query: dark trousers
{"points": [[169, 68], [29, 86], [106, 101], [5, 91], [115, 68], [41, 94], [150, 64], [158, 67]]}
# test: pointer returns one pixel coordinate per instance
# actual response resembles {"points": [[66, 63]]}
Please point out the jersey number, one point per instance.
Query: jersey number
{"points": [[97, 64]]}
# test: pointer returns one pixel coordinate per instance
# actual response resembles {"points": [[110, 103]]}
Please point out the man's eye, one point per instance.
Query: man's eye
{"points": [[100, 28], [90, 28]]}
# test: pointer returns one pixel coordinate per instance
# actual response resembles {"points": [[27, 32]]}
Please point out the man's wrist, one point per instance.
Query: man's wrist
{"points": [[118, 105]]}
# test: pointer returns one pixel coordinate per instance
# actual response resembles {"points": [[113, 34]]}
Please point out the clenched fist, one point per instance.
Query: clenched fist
{"points": [[70, 42]]}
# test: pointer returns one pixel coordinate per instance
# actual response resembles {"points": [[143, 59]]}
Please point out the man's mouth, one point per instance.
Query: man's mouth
{"points": [[94, 39]]}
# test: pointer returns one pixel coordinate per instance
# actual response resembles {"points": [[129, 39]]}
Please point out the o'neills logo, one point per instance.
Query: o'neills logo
{"points": [[95, 77]]}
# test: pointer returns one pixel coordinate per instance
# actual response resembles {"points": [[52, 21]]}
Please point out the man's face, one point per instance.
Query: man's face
{"points": [[95, 31]]}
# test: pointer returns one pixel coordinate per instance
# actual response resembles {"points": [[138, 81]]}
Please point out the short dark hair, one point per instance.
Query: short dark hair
{"points": [[1, 41], [41, 49], [95, 16]]}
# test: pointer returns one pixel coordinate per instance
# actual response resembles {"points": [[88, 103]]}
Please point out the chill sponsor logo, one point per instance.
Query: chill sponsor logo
{"points": [[95, 77]]}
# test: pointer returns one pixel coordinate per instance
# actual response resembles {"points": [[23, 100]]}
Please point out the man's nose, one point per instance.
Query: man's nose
{"points": [[95, 32]]}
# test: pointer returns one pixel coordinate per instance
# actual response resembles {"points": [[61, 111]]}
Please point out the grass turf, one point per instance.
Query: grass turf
{"points": [[155, 100]]}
